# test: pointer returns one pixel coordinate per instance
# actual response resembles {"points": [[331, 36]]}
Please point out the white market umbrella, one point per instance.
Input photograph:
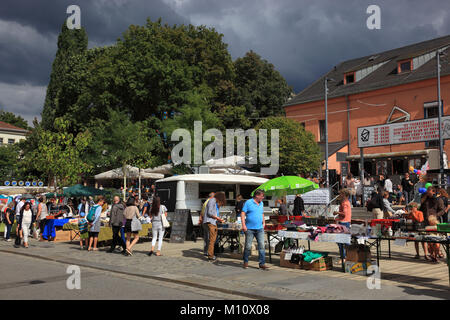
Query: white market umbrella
{"points": [[130, 172]]}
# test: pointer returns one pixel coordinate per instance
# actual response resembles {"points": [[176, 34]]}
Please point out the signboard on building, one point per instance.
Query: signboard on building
{"points": [[403, 132]]}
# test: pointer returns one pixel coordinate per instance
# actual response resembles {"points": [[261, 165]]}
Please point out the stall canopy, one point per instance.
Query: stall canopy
{"points": [[164, 169], [79, 190], [131, 172]]}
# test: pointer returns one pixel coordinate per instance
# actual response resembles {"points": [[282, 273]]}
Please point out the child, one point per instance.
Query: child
{"points": [[416, 216], [83, 228], [433, 248]]}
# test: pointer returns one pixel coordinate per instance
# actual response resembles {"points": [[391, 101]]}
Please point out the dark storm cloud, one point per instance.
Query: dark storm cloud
{"points": [[302, 38], [25, 60]]}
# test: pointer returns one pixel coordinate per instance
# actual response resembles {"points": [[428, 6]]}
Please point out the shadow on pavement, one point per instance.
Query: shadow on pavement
{"points": [[442, 294]]}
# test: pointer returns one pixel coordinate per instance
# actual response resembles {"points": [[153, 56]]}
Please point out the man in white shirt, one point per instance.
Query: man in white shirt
{"points": [[388, 187], [19, 206]]}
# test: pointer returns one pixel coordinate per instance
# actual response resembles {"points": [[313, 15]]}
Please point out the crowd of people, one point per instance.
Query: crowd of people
{"points": [[31, 217]]}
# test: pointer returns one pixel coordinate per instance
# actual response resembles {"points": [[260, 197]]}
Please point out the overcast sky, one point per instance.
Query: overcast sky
{"points": [[302, 38]]}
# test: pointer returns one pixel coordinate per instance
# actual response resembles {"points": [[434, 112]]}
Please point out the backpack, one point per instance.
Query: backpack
{"points": [[91, 215]]}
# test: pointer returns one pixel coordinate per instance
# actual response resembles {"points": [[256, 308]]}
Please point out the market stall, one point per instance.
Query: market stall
{"points": [[105, 231]]}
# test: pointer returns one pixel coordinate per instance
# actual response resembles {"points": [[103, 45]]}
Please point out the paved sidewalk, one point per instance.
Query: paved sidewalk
{"points": [[402, 277]]}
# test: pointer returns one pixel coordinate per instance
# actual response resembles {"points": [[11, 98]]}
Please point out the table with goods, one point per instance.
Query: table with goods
{"points": [[358, 239]]}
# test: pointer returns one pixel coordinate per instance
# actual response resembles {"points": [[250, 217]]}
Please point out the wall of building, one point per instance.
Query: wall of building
{"points": [[372, 108], [7, 135]]}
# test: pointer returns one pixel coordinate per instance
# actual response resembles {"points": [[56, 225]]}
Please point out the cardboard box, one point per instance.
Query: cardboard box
{"points": [[323, 264], [357, 267], [285, 263], [357, 253], [62, 235]]}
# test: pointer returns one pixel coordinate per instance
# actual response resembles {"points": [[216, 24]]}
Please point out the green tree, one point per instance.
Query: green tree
{"points": [[59, 154], [9, 159], [259, 87], [117, 142], [298, 151], [13, 119], [70, 43], [197, 108]]}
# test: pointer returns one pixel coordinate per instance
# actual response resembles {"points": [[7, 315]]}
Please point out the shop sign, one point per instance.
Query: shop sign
{"points": [[403, 132]]}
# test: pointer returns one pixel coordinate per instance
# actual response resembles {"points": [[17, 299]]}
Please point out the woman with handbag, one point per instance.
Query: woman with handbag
{"points": [[159, 222], [132, 225]]}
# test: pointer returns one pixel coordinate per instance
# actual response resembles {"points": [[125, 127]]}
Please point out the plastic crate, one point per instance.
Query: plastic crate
{"points": [[443, 227], [280, 219], [384, 222]]}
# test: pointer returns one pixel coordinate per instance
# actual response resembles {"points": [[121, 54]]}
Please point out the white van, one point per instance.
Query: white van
{"points": [[191, 190]]}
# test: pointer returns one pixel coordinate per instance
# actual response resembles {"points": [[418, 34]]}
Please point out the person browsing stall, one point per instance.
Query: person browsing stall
{"points": [[205, 226], [211, 218], [95, 225], [416, 216], [253, 224], [344, 214]]}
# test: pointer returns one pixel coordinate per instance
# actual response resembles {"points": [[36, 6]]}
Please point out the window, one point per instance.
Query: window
{"points": [[1, 141], [349, 78], [404, 66], [321, 130], [430, 110], [302, 124], [10, 141]]}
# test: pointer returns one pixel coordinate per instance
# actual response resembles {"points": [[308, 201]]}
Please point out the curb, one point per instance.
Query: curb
{"points": [[181, 282]]}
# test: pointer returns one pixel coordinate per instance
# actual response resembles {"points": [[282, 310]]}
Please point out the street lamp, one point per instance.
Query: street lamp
{"points": [[441, 144], [326, 131]]}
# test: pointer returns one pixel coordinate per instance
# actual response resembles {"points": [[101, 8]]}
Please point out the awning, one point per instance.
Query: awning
{"points": [[390, 154], [333, 147]]}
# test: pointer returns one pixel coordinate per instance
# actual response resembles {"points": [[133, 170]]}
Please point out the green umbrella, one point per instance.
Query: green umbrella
{"points": [[79, 190], [287, 185], [53, 195]]}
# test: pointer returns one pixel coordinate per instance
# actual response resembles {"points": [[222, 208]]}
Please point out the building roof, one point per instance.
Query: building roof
{"points": [[216, 178], [383, 77], [9, 127]]}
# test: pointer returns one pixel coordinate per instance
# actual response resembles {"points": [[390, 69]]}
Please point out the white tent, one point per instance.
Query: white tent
{"points": [[234, 171], [228, 162], [164, 169], [130, 172]]}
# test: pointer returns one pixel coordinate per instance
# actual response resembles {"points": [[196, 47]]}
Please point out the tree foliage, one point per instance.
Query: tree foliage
{"points": [[117, 142], [259, 87], [59, 153], [14, 119], [298, 151], [70, 43]]}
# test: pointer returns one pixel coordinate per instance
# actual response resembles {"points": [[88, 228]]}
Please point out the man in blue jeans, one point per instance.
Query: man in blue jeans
{"points": [[252, 217]]}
